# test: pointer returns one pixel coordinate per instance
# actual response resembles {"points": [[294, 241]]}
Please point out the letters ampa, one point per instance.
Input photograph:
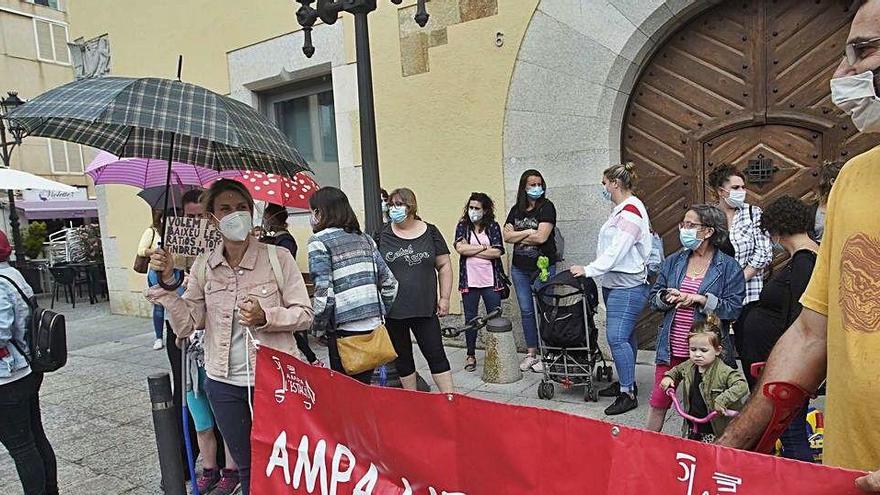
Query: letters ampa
{"points": [[187, 236]]}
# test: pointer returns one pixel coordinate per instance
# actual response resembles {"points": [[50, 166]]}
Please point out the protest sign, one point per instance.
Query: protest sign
{"points": [[185, 236]]}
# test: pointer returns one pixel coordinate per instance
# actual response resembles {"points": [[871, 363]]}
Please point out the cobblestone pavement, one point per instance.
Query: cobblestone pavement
{"points": [[96, 410]]}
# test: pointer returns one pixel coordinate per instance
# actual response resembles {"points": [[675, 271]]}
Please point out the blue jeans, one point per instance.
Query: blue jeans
{"points": [[522, 284], [471, 302], [795, 443], [233, 417], [623, 307], [158, 309]]}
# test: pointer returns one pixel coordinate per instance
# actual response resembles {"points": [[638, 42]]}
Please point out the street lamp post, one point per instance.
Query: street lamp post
{"points": [[328, 11], [8, 103]]}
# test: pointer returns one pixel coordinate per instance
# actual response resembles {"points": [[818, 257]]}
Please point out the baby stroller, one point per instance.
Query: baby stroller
{"points": [[568, 342]]}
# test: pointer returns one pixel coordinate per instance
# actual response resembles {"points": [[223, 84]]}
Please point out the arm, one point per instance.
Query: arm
{"points": [[444, 271], [624, 239], [800, 358], [146, 242], [512, 236], [324, 300], [736, 388], [728, 303], [540, 236], [294, 314], [763, 252], [7, 318], [490, 253], [387, 282], [676, 373], [186, 312]]}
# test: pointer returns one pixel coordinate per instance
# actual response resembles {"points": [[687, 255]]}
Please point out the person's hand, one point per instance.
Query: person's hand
{"points": [[690, 300], [442, 307], [720, 409], [666, 382], [672, 296], [161, 263], [869, 483], [578, 271], [251, 314]]}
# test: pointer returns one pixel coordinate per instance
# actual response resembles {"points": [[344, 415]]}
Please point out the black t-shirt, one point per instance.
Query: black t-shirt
{"points": [[285, 240], [778, 307], [413, 262], [526, 257], [698, 408]]}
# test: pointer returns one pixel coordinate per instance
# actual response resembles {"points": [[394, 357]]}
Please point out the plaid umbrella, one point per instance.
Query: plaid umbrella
{"points": [[162, 119], [155, 118]]}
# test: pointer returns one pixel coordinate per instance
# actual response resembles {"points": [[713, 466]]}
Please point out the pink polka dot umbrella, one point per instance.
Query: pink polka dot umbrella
{"points": [[278, 189]]}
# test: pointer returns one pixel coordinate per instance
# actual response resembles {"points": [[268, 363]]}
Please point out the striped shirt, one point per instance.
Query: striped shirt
{"points": [[343, 267], [683, 321]]}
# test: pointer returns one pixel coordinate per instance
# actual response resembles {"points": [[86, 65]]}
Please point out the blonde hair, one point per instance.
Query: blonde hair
{"points": [[408, 197], [709, 328], [625, 173]]}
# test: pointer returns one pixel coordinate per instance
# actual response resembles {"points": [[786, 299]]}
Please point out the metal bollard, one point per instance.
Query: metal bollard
{"points": [[167, 440], [502, 362]]}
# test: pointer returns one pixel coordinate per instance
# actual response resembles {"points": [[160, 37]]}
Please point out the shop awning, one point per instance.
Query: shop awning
{"points": [[58, 210]]}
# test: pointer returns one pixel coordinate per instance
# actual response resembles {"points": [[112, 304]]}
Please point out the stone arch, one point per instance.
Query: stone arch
{"points": [[568, 94]]}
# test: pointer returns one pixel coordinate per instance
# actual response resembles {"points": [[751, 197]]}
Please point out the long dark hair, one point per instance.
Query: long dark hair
{"points": [[488, 209], [334, 209], [522, 199]]}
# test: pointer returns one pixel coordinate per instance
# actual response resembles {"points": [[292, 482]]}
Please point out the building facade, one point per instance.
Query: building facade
{"points": [[490, 88]]}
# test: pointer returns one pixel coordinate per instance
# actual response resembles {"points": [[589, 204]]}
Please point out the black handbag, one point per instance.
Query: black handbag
{"points": [[46, 336]]}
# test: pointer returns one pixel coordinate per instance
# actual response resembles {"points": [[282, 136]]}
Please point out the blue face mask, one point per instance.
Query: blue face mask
{"points": [[535, 192], [397, 214], [606, 194], [688, 238]]}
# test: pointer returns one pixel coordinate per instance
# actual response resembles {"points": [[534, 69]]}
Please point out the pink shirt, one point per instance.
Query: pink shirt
{"points": [[683, 320], [479, 270]]}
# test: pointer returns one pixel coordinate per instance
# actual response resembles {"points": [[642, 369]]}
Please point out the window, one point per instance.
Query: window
{"points": [[65, 157], [51, 41], [305, 114], [52, 4]]}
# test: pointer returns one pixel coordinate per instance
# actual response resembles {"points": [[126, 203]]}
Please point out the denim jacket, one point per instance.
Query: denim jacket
{"points": [[723, 285], [14, 315]]}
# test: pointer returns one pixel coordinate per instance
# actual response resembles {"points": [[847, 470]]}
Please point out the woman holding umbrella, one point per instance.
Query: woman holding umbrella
{"points": [[269, 303]]}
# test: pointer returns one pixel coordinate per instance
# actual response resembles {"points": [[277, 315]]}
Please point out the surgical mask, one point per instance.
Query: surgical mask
{"points": [[397, 214], [736, 198], [475, 215], [688, 238], [313, 220], [606, 194], [237, 225], [535, 192], [856, 96]]}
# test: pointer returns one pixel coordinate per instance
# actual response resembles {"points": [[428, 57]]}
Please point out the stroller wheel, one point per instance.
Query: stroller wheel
{"points": [[545, 391], [591, 395]]}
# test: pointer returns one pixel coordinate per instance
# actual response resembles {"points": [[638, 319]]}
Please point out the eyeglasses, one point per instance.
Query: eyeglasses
{"points": [[854, 50], [689, 225]]}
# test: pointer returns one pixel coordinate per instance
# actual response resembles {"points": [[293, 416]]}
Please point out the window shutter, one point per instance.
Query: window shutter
{"points": [[74, 158], [44, 40], [59, 35], [59, 156]]}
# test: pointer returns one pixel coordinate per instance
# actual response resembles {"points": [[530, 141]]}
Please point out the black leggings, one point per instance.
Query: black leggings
{"points": [[427, 332], [21, 432]]}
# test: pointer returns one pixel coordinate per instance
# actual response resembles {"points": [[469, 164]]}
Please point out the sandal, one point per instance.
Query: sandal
{"points": [[470, 363]]}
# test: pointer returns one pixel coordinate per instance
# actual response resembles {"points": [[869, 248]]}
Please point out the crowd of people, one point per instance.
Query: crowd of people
{"points": [[720, 299]]}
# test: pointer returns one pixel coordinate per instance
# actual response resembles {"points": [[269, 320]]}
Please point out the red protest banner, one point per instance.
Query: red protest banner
{"points": [[317, 432]]}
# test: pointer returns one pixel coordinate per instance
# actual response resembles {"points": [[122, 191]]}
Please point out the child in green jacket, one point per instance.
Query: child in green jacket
{"points": [[706, 382]]}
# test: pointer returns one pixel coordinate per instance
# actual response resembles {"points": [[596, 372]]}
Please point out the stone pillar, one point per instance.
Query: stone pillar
{"points": [[502, 362]]}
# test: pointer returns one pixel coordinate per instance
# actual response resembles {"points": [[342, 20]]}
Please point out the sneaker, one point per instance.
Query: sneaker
{"points": [[228, 483], [624, 403], [208, 480], [613, 390], [529, 361], [158, 344], [537, 367]]}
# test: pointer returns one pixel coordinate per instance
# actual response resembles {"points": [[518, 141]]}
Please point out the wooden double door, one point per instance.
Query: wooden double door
{"points": [[747, 83]]}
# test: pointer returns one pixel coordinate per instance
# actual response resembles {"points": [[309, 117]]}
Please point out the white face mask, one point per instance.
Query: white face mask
{"points": [[236, 226], [856, 96], [475, 215], [736, 198]]}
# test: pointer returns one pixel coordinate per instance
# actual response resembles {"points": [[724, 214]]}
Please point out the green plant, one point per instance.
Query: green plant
{"points": [[33, 239]]}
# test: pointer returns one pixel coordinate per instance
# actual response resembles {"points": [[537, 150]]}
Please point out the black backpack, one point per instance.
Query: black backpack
{"points": [[46, 336]]}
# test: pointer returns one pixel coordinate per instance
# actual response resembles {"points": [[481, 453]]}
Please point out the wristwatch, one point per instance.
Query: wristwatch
{"points": [[173, 286]]}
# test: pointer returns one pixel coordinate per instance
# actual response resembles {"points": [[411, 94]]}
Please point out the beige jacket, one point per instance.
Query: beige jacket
{"points": [[211, 306], [149, 240]]}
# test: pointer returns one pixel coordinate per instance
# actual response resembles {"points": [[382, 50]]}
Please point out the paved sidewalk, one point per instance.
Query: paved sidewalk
{"points": [[96, 410]]}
